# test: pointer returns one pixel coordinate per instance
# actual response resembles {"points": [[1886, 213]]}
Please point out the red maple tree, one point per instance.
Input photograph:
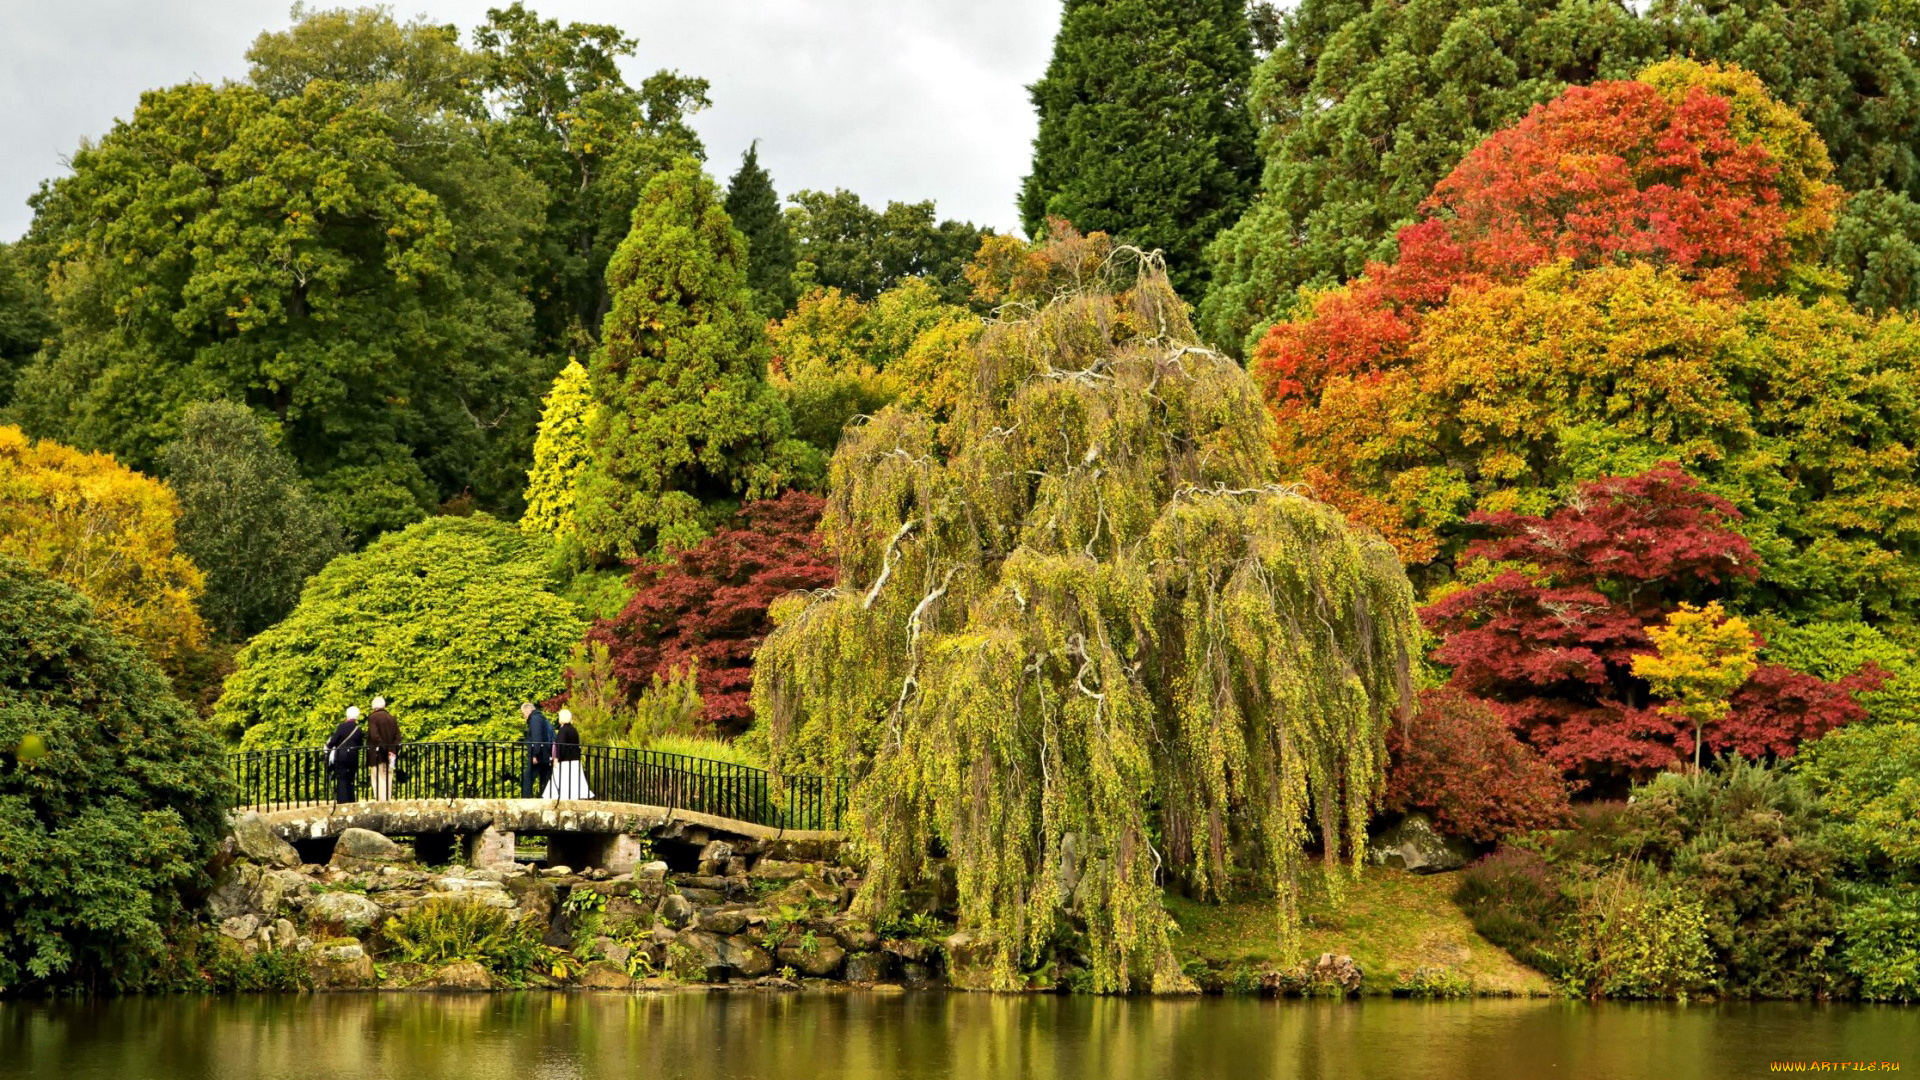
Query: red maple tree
{"points": [[708, 607], [1550, 642]]}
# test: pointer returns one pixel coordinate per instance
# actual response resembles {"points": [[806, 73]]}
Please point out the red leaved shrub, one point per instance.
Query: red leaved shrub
{"points": [[1550, 644], [1458, 761], [709, 606]]}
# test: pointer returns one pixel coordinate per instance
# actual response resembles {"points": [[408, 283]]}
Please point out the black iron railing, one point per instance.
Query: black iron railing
{"points": [[449, 770]]}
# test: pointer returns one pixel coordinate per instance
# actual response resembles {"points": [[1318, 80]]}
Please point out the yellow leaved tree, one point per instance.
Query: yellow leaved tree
{"points": [[108, 531], [1702, 657]]}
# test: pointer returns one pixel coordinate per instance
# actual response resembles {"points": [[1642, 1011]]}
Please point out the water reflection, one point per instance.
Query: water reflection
{"points": [[756, 1036]]}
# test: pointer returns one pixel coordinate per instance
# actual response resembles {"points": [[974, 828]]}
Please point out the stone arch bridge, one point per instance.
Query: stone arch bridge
{"points": [[461, 800]]}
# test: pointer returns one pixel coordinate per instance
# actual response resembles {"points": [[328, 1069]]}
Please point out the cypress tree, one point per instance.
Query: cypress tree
{"points": [[1144, 128], [754, 206], [685, 423]]}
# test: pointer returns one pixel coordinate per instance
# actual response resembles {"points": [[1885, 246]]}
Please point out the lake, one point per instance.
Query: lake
{"points": [[923, 1036]]}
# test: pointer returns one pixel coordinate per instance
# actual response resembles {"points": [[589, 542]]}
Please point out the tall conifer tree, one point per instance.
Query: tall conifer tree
{"points": [[754, 206], [685, 422], [1144, 128]]}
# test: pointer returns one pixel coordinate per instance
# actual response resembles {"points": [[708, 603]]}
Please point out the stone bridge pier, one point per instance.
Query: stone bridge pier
{"points": [[616, 837]]}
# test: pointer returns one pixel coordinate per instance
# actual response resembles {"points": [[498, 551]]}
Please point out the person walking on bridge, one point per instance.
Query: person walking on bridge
{"points": [[343, 754], [539, 767], [569, 779], [383, 750]]}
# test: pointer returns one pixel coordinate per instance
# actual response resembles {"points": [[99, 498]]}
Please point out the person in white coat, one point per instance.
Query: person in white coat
{"points": [[569, 779]]}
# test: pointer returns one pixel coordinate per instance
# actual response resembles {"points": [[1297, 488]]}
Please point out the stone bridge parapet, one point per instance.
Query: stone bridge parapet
{"points": [[611, 835]]}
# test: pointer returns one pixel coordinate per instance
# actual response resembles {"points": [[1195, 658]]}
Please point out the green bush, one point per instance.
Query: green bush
{"points": [[1745, 840], [453, 620], [1630, 939], [203, 961], [1868, 779], [1880, 941], [111, 796]]}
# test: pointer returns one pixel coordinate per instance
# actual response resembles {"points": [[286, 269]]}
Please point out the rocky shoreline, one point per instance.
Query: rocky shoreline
{"points": [[758, 912]]}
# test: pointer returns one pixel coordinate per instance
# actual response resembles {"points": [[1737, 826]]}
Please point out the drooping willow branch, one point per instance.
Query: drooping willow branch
{"points": [[1132, 649]]}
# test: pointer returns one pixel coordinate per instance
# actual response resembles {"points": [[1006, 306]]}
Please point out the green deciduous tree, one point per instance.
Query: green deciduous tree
{"points": [[26, 320], [754, 206], [111, 796], [1079, 625], [246, 518], [559, 455], [452, 620], [837, 358], [842, 243], [292, 254], [685, 423], [1144, 128], [591, 140], [1364, 104]]}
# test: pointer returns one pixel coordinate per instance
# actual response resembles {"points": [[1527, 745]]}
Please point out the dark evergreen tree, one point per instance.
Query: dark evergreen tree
{"points": [[1144, 128], [685, 423], [246, 519], [754, 206]]}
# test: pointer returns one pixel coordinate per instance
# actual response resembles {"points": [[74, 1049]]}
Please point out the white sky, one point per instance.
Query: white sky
{"points": [[894, 99]]}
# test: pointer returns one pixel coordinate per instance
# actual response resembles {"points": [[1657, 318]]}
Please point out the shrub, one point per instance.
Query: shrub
{"points": [[88, 521], [1514, 900], [111, 796], [1744, 840], [1460, 762], [1880, 941], [1868, 779], [1635, 940], [452, 620]]}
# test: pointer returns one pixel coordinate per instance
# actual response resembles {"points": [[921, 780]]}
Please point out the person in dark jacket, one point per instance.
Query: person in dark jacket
{"points": [[539, 766], [383, 749], [343, 754]]}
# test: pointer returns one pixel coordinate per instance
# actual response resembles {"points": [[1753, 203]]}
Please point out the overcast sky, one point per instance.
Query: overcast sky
{"points": [[894, 99]]}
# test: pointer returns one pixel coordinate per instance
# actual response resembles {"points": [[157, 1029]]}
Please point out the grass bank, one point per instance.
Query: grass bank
{"points": [[1402, 929]]}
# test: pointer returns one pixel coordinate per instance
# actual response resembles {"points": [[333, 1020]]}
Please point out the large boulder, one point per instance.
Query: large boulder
{"points": [[724, 922], [745, 957], [1415, 845], [463, 975], [604, 976], [340, 966], [780, 870], [257, 841], [675, 910], [349, 909], [244, 888], [869, 967], [364, 849], [804, 891], [820, 961]]}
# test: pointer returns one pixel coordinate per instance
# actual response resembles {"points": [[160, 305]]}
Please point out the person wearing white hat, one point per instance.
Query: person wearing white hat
{"points": [[343, 754], [569, 779]]}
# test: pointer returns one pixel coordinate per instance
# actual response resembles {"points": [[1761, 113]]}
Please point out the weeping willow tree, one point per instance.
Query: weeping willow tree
{"points": [[1086, 644]]}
